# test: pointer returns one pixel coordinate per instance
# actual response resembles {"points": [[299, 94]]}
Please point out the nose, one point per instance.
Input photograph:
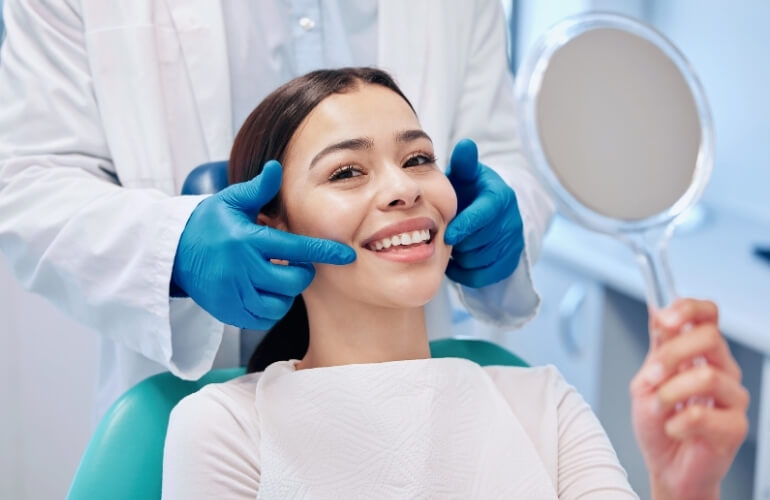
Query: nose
{"points": [[398, 189]]}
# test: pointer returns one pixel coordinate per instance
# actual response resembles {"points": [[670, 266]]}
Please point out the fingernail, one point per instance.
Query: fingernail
{"points": [[657, 337], [654, 374], [669, 318], [656, 406]]}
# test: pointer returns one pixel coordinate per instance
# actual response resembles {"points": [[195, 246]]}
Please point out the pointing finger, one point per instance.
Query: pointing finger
{"points": [[277, 244]]}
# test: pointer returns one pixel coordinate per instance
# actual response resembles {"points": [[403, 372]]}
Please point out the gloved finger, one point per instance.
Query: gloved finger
{"points": [[464, 163], [491, 233], [478, 278], [483, 257], [483, 211], [251, 196], [478, 239], [264, 304], [295, 248], [247, 320], [290, 280]]}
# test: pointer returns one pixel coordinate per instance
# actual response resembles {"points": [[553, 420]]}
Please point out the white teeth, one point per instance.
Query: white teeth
{"points": [[401, 239]]}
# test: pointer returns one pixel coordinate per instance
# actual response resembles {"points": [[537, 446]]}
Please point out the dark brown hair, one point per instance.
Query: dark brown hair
{"points": [[264, 136]]}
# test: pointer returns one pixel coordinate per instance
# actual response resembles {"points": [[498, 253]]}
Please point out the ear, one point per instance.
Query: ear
{"points": [[273, 221]]}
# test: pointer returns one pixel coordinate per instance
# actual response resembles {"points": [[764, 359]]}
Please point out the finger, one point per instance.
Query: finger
{"points": [[481, 277], [296, 248], [480, 238], [464, 163], [703, 340], [705, 381], [487, 256], [479, 214], [264, 305], [287, 281], [251, 196], [478, 258], [723, 430], [669, 321]]}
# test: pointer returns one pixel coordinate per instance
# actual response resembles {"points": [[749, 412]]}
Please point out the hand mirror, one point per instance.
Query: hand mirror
{"points": [[618, 130]]}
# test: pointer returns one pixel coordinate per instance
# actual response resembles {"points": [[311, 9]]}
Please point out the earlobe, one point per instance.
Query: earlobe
{"points": [[271, 221]]}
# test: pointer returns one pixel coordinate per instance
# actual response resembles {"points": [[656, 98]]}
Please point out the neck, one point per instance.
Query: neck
{"points": [[344, 332]]}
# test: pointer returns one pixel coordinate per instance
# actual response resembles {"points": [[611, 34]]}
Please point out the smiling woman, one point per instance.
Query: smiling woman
{"points": [[343, 400], [360, 170]]}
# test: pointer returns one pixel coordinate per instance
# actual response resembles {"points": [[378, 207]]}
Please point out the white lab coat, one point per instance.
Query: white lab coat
{"points": [[106, 106]]}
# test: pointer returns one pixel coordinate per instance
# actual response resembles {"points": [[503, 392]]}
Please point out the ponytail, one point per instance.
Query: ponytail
{"points": [[288, 339]]}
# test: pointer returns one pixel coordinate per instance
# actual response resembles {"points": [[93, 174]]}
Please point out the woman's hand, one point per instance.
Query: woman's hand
{"points": [[688, 448]]}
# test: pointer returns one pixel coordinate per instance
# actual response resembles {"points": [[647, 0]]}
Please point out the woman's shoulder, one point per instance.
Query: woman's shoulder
{"points": [[534, 379], [226, 402], [212, 443], [534, 393]]}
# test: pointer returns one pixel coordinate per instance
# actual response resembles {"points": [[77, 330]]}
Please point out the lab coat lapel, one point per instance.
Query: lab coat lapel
{"points": [[398, 53], [201, 30]]}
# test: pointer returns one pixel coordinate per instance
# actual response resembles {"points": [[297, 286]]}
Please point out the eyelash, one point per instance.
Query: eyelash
{"points": [[428, 159]]}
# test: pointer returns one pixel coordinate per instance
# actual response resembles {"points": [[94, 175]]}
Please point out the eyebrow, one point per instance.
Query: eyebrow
{"points": [[367, 143]]}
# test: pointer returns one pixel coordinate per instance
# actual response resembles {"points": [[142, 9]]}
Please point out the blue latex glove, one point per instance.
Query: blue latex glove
{"points": [[223, 258], [487, 233]]}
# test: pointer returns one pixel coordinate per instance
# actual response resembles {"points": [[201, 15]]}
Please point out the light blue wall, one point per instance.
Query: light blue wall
{"points": [[2, 26], [728, 44]]}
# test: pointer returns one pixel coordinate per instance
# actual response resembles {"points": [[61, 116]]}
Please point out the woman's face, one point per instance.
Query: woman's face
{"points": [[360, 170]]}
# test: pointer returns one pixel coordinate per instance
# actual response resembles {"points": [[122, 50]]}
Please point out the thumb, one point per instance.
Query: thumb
{"points": [[251, 196], [464, 163]]}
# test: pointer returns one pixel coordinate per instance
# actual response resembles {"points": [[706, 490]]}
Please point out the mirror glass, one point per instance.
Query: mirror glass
{"points": [[616, 124]]}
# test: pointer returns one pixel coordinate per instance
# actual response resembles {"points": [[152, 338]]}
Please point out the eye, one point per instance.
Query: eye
{"points": [[345, 172], [419, 159]]}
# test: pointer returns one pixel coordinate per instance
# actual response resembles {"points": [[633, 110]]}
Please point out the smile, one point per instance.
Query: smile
{"points": [[405, 241]]}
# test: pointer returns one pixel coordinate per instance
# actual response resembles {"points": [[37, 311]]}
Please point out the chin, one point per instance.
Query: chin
{"points": [[417, 291]]}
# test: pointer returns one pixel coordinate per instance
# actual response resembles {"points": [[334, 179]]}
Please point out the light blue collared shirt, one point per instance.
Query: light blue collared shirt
{"points": [[271, 42]]}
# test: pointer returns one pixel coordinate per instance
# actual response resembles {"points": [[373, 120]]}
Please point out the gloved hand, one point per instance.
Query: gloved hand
{"points": [[487, 233], [223, 258]]}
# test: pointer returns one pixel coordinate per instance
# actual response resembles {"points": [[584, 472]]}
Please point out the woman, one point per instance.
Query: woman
{"points": [[343, 400]]}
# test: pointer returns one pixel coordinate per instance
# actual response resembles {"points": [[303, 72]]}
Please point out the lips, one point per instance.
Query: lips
{"points": [[405, 226]]}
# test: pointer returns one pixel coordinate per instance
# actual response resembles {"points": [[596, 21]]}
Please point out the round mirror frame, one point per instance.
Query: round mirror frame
{"points": [[527, 87]]}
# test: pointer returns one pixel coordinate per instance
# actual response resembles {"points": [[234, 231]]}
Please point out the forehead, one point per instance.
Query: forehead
{"points": [[368, 110]]}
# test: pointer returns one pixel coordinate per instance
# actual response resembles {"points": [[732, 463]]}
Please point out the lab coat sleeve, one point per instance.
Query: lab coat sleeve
{"points": [[102, 253], [486, 114]]}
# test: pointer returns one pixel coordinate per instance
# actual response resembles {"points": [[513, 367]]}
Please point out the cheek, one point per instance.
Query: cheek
{"points": [[442, 196], [323, 214]]}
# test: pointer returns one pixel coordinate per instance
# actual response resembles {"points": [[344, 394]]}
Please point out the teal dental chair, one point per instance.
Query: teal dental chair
{"points": [[124, 458]]}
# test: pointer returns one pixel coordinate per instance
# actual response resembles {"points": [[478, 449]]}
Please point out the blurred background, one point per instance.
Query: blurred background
{"points": [[593, 321]]}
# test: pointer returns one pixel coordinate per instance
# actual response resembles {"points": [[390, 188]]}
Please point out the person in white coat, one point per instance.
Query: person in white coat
{"points": [[104, 110]]}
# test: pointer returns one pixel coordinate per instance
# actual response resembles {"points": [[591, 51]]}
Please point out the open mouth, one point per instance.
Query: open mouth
{"points": [[403, 241], [410, 240]]}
